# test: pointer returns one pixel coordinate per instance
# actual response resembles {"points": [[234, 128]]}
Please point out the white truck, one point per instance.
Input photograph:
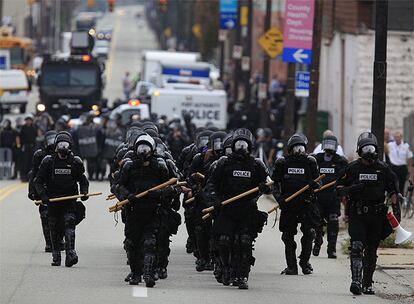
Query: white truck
{"points": [[151, 62], [205, 106]]}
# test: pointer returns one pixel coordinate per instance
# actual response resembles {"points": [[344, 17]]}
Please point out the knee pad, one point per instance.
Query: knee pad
{"points": [[288, 239], [245, 242], [224, 241], [357, 249], [128, 245], [333, 217], [150, 244]]}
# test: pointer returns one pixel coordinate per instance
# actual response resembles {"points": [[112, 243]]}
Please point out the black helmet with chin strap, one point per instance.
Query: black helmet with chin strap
{"points": [[297, 140], [367, 146], [49, 139], [63, 143], [330, 143], [242, 141], [144, 147]]}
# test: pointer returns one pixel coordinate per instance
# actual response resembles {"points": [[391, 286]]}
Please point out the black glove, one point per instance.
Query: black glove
{"points": [[397, 211], [281, 201], [132, 199], [313, 185], [263, 188], [84, 198], [45, 199], [31, 196], [171, 191]]}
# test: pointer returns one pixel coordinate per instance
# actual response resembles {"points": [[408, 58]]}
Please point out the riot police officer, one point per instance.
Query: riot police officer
{"points": [[236, 223], [48, 149], [366, 181], [59, 175], [332, 165], [291, 173], [141, 173]]}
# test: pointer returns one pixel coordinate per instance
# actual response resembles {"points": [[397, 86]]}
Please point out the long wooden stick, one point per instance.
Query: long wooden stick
{"points": [[235, 198], [190, 200], [328, 185], [118, 205], [111, 197], [297, 193], [71, 197]]}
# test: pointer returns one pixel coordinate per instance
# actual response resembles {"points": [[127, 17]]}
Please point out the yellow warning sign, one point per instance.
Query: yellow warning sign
{"points": [[272, 42]]}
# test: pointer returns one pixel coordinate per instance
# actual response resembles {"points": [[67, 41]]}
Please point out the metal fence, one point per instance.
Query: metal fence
{"points": [[409, 129]]}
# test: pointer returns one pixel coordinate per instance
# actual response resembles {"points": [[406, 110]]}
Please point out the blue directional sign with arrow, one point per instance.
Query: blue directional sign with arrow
{"points": [[297, 55], [228, 14]]}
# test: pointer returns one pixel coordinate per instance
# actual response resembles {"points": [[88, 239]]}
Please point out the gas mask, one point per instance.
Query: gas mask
{"points": [[63, 149], [241, 147], [143, 151], [369, 153], [298, 150]]}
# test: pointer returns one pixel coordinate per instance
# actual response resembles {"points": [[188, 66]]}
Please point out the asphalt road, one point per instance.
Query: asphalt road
{"points": [[27, 277]]}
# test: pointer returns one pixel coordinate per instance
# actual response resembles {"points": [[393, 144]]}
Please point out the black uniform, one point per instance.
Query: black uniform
{"points": [[27, 134], [366, 181], [328, 202], [59, 177], [236, 224], [291, 173], [33, 195], [142, 222]]}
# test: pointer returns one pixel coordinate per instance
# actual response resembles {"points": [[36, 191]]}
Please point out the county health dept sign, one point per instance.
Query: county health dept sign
{"points": [[298, 31]]}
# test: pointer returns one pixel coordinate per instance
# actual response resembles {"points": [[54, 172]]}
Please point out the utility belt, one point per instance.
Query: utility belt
{"points": [[361, 208]]}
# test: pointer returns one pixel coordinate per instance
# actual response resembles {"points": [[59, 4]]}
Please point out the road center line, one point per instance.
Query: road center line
{"points": [[11, 190], [139, 292]]}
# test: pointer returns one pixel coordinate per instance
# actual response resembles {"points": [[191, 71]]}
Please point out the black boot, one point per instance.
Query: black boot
{"points": [[356, 271], [201, 265], [148, 275], [128, 277], [71, 258], [189, 246], [48, 248], [368, 290], [316, 249], [243, 283], [135, 278], [226, 276], [306, 267], [162, 273], [56, 258], [218, 273], [331, 254], [209, 266]]}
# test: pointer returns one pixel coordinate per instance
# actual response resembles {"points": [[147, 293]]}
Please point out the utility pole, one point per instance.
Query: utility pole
{"points": [[314, 74], [237, 70], [247, 50], [264, 113], [289, 114], [380, 73]]}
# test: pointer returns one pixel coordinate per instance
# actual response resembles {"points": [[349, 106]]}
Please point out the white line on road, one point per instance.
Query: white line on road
{"points": [[140, 292]]}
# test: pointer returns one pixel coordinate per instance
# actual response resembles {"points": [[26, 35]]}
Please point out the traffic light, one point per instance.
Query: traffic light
{"points": [[163, 4], [111, 4]]}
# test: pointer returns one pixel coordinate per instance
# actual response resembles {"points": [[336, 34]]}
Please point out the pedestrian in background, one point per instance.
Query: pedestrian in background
{"points": [[8, 136], [400, 156], [27, 141], [126, 85]]}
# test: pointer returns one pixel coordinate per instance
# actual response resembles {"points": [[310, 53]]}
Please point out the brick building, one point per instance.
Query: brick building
{"points": [[346, 69]]}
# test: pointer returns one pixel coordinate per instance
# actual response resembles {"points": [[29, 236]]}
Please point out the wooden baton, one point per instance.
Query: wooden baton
{"points": [[297, 193], [71, 197], [119, 204]]}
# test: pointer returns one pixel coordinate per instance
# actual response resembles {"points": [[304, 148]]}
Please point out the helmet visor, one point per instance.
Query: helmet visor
{"points": [[328, 144], [202, 141], [241, 146], [217, 144], [299, 149], [50, 140], [368, 149], [62, 145], [143, 149], [160, 149]]}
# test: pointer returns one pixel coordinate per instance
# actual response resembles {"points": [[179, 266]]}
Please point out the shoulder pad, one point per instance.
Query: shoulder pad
{"points": [[77, 160], [312, 159], [221, 161], [162, 165], [47, 159], [280, 160], [39, 153], [260, 163], [127, 165], [129, 154]]}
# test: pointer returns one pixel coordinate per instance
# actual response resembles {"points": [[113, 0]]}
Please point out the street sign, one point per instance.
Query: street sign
{"points": [[298, 31], [222, 35], [228, 14], [272, 42], [245, 63], [262, 93], [302, 84], [237, 51]]}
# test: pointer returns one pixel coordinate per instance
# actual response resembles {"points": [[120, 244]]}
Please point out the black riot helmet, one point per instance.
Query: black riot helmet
{"points": [[329, 143], [49, 140], [150, 126], [144, 147], [63, 144], [133, 135], [202, 139], [297, 144], [242, 141], [227, 144], [216, 141], [160, 147], [367, 146]]}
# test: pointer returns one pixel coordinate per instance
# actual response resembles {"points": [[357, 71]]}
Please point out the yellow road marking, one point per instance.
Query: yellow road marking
{"points": [[4, 189], [112, 53], [10, 190]]}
